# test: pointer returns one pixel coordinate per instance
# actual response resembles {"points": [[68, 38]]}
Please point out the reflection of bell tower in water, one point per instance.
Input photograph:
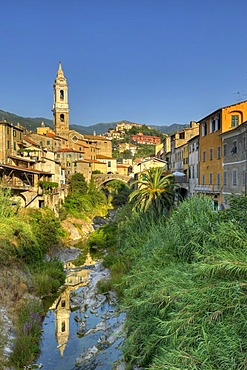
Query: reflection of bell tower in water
{"points": [[61, 104], [62, 320]]}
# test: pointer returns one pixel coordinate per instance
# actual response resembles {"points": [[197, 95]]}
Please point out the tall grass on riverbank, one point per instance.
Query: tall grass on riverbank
{"points": [[185, 289]]}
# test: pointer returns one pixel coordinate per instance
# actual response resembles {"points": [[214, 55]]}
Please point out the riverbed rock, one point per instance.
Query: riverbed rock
{"points": [[87, 355]]}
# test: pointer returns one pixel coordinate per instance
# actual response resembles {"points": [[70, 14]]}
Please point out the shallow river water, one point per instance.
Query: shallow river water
{"points": [[82, 329]]}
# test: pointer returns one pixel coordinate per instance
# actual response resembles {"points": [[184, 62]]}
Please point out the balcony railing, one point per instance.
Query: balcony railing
{"points": [[207, 188]]}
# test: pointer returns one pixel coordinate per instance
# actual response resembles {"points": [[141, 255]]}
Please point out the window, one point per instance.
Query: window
{"points": [[225, 178], [48, 142], [61, 94], [224, 150], [244, 143], [63, 327], [217, 124], [244, 177], [58, 155], [218, 181], [14, 145], [189, 172], [8, 144], [234, 147], [203, 179], [14, 133], [212, 125], [235, 119], [63, 303], [210, 154], [68, 164], [234, 178], [210, 178], [218, 152], [109, 164], [204, 129], [193, 172], [204, 156], [61, 117]]}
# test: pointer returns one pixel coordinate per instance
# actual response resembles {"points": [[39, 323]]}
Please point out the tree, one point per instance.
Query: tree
{"points": [[78, 184], [154, 190]]}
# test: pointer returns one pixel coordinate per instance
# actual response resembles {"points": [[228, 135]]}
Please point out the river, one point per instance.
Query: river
{"points": [[82, 329]]}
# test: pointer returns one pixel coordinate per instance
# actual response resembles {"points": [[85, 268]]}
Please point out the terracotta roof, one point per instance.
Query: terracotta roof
{"points": [[30, 141], [69, 150], [122, 166], [95, 137], [99, 156], [217, 110], [23, 169], [95, 161], [23, 159]]}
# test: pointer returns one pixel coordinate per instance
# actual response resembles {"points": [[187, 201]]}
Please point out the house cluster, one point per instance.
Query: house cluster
{"points": [[37, 166], [210, 156]]}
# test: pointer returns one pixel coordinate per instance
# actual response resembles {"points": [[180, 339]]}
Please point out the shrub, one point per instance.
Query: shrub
{"points": [[26, 344], [48, 277]]}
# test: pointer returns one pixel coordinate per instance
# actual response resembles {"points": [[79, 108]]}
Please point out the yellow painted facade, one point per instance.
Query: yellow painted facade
{"points": [[210, 156]]}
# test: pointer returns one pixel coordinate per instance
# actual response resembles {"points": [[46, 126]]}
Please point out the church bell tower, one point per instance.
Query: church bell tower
{"points": [[61, 105]]}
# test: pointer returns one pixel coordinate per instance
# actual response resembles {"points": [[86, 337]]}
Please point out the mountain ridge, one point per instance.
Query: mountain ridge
{"points": [[31, 123]]}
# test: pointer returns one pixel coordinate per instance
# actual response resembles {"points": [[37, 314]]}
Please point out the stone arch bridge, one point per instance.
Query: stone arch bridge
{"points": [[101, 179]]}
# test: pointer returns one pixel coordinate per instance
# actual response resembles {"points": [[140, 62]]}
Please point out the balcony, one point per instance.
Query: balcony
{"points": [[207, 189]]}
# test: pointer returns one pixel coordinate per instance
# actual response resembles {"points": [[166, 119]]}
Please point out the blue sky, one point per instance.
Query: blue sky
{"points": [[147, 61]]}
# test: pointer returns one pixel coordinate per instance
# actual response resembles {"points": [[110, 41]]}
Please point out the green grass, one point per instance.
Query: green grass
{"points": [[183, 285]]}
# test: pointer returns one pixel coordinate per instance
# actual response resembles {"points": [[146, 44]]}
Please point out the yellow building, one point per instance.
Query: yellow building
{"points": [[43, 129], [210, 155]]}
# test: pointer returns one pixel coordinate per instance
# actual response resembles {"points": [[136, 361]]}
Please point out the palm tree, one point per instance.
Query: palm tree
{"points": [[154, 190]]}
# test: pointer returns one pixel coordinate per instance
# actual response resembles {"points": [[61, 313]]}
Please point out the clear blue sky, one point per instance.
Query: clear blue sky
{"points": [[148, 61]]}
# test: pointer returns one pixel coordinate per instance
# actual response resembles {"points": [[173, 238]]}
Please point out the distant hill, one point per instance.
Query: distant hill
{"points": [[99, 128], [169, 129], [28, 122]]}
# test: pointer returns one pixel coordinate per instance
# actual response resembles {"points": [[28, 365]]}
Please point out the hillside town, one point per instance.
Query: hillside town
{"points": [[207, 157]]}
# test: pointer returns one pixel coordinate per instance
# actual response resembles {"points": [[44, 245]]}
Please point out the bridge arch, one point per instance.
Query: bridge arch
{"points": [[101, 179]]}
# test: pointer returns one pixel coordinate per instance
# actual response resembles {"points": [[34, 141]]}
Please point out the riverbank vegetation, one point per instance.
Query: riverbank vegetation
{"points": [[182, 281], [26, 236], [83, 201]]}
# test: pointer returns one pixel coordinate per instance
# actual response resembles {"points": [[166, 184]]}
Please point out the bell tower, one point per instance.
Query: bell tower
{"points": [[61, 105]]}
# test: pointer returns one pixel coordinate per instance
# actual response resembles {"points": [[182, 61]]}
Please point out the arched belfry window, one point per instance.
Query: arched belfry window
{"points": [[63, 327], [62, 117], [61, 95]]}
